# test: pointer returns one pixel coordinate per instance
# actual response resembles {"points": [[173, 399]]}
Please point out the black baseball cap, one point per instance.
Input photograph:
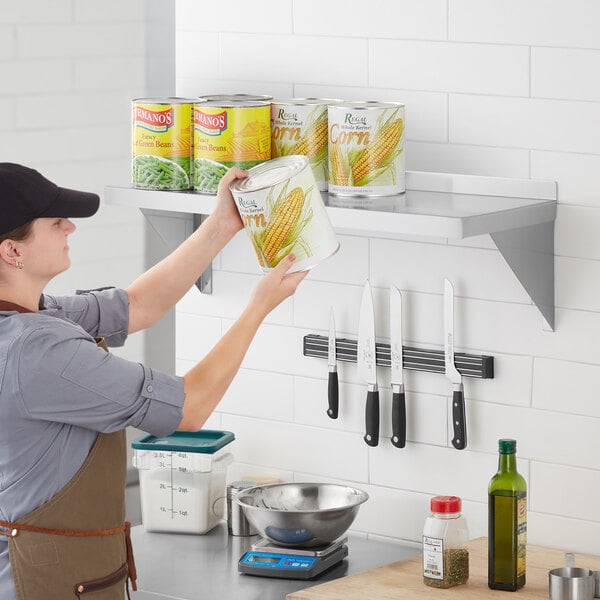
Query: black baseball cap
{"points": [[25, 194]]}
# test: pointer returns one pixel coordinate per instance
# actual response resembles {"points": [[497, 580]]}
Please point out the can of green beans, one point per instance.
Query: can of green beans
{"points": [[228, 134], [162, 152]]}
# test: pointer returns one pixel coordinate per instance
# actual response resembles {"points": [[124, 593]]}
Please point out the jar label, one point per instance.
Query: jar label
{"points": [[433, 557]]}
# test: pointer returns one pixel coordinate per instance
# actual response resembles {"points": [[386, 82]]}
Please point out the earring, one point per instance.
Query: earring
{"points": [[19, 264]]}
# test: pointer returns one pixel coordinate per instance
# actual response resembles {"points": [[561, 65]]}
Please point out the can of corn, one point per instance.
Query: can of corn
{"points": [[161, 143], [282, 211], [299, 126], [366, 149], [235, 98], [228, 134]]}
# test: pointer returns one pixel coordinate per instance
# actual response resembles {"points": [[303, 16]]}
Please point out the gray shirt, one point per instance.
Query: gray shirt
{"points": [[58, 390]]}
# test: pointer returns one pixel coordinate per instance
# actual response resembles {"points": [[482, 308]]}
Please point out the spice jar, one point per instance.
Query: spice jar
{"points": [[445, 536]]}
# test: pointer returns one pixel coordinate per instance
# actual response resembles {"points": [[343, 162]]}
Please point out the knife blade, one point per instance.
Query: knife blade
{"points": [[367, 365], [459, 441], [397, 364], [333, 386]]}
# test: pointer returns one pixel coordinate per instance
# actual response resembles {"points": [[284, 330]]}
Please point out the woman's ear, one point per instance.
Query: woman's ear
{"points": [[9, 252]]}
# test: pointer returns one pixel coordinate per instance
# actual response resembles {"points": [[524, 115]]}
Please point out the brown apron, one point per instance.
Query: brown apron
{"points": [[77, 544]]}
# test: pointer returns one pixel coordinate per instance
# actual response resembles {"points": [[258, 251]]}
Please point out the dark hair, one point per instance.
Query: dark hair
{"points": [[20, 233]]}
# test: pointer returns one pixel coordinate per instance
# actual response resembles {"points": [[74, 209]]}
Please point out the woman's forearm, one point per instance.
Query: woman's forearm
{"points": [[206, 383], [157, 290]]}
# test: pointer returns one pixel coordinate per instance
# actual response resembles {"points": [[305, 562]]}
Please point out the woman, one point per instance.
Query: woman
{"points": [[65, 401]]}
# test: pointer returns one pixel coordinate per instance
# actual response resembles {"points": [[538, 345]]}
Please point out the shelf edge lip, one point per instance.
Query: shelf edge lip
{"points": [[483, 185], [382, 223]]}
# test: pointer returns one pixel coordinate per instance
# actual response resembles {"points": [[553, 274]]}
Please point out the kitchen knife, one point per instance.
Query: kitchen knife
{"points": [[367, 365], [459, 441], [397, 364], [333, 386]]}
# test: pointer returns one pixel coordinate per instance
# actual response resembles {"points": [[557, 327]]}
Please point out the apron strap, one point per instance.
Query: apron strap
{"points": [[124, 528]]}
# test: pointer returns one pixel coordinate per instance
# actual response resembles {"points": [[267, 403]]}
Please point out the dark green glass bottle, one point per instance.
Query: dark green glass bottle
{"points": [[507, 522]]}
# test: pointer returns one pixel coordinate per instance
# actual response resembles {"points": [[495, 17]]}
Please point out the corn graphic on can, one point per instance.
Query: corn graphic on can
{"points": [[366, 149], [161, 143], [228, 134], [283, 212], [299, 126]]}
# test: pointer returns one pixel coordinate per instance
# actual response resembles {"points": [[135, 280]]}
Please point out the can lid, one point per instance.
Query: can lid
{"points": [[270, 173], [306, 101], [235, 97], [205, 441], [368, 105], [506, 446], [202, 103], [446, 504], [163, 100]]}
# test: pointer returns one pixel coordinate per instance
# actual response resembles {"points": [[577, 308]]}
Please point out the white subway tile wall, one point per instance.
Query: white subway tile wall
{"points": [[69, 71], [499, 89]]}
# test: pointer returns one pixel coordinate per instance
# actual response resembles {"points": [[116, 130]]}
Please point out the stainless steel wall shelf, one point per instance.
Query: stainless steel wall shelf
{"points": [[518, 214], [416, 359]]}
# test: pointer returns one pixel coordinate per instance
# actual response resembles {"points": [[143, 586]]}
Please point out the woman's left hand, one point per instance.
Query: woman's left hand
{"points": [[225, 211]]}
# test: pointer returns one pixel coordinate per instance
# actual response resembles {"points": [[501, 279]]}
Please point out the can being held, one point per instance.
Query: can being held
{"points": [[161, 143], [366, 149], [299, 126], [228, 134], [283, 212]]}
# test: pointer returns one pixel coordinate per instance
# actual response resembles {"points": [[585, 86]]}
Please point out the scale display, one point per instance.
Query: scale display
{"points": [[290, 564]]}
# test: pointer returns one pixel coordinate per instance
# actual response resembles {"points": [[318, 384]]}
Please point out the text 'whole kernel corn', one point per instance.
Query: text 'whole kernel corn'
{"points": [[299, 126], [283, 212], [366, 149]]}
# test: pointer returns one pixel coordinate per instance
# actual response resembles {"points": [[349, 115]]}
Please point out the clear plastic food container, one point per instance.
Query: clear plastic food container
{"points": [[182, 479]]}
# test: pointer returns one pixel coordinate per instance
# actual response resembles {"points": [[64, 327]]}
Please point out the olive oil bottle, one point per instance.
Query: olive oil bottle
{"points": [[507, 522]]}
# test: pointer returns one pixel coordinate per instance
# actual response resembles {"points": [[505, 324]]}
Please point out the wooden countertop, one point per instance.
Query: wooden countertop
{"points": [[404, 580]]}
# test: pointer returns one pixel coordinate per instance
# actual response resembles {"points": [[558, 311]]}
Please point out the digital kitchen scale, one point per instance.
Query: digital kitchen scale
{"points": [[268, 560]]}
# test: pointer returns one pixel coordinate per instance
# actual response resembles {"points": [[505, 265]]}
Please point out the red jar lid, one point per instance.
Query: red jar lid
{"points": [[446, 504]]}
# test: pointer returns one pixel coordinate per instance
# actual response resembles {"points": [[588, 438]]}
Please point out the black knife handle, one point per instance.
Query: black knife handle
{"points": [[333, 395], [459, 441], [372, 418], [399, 419]]}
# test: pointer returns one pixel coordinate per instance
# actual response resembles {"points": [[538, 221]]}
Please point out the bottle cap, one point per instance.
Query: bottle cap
{"points": [[507, 446], [446, 504]]}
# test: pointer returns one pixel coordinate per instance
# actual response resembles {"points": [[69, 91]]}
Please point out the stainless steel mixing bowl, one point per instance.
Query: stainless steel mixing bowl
{"points": [[301, 515]]}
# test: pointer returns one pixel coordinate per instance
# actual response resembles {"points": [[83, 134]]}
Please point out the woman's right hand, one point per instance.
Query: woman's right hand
{"points": [[276, 286]]}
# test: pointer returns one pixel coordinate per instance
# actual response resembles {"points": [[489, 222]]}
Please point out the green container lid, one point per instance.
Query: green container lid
{"points": [[205, 441], [507, 446]]}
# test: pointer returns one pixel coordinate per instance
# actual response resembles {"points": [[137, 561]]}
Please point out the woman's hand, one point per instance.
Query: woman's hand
{"points": [[225, 212], [276, 286]]}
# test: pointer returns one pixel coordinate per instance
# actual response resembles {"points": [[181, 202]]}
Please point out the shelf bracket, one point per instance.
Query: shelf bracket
{"points": [[173, 228], [529, 252]]}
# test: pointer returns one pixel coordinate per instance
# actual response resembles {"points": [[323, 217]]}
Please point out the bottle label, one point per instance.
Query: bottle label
{"points": [[433, 557], [521, 533]]}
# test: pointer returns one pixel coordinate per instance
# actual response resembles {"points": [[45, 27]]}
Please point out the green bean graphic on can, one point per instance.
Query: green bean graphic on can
{"points": [[283, 212]]}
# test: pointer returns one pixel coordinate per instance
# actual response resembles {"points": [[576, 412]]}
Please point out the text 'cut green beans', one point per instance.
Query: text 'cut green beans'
{"points": [[207, 175], [155, 172]]}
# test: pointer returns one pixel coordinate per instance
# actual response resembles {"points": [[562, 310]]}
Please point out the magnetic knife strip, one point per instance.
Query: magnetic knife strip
{"points": [[416, 359]]}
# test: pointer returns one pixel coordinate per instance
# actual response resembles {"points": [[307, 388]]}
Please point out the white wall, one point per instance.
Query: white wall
{"points": [[68, 72], [502, 89]]}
